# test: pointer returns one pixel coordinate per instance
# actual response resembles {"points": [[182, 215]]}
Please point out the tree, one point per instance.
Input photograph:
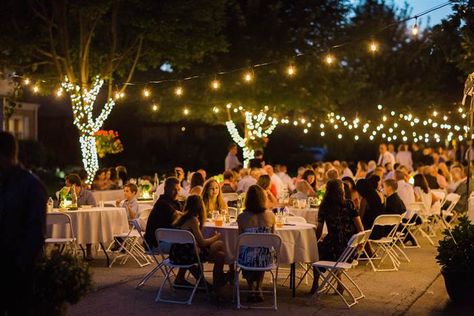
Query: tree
{"points": [[79, 46]]}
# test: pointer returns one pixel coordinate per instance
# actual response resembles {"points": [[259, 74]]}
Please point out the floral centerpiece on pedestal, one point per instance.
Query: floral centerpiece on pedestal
{"points": [[107, 142], [145, 189], [65, 198]]}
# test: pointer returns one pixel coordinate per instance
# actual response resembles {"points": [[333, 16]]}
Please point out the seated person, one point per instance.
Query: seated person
{"points": [[211, 248], [228, 186], [196, 183], [303, 191], [342, 222], [213, 198], [265, 183], [393, 203], [130, 203], [256, 218]]}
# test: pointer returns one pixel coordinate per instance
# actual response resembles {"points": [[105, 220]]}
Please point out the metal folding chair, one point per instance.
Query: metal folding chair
{"points": [[178, 236], [270, 241], [67, 238], [334, 270]]}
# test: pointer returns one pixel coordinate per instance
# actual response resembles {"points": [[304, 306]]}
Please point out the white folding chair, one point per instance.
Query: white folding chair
{"points": [[424, 214], [332, 278], [230, 197], [233, 212], [149, 251], [178, 236], [449, 216], [270, 241], [129, 247], [384, 246], [67, 237]]}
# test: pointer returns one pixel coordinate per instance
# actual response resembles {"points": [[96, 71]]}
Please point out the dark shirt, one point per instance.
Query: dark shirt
{"points": [[432, 181], [394, 205], [86, 197], [256, 163], [227, 188], [161, 216]]}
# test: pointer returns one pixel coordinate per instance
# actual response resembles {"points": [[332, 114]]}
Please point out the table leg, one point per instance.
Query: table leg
{"points": [[106, 254], [293, 279]]}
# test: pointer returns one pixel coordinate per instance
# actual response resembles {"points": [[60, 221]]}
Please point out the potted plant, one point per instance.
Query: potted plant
{"points": [[61, 279], [456, 257]]}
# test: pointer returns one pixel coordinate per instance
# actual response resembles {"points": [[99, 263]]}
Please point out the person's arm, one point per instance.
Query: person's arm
{"points": [[200, 240], [358, 224]]}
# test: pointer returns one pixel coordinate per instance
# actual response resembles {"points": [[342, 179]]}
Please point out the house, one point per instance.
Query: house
{"points": [[23, 122]]}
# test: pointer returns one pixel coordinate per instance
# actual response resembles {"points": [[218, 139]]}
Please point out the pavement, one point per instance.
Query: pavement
{"points": [[416, 289]]}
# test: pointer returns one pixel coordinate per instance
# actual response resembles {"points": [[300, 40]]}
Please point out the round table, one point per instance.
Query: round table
{"points": [[95, 225], [310, 214], [298, 241], [298, 244]]}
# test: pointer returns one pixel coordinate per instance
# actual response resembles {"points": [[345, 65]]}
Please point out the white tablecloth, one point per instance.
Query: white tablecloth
{"points": [[310, 214], [298, 243], [94, 225], [108, 195]]}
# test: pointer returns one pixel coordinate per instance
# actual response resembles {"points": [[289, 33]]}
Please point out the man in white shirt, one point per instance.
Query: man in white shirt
{"points": [[405, 190], [385, 156], [275, 180], [404, 157], [231, 161], [247, 179], [346, 171], [287, 181]]}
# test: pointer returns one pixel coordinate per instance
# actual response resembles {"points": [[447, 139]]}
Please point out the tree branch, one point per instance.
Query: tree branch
{"points": [[108, 69], [135, 62]]}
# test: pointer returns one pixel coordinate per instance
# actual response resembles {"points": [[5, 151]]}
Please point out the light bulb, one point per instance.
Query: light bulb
{"points": [[185, 111], [26, 81], [373, 47], [36, 89], [291, 70], [215, 84], [146, 93], [415, 30], [329, 59], [248, 76], [155, 107], [178, 91], [59, 92]]}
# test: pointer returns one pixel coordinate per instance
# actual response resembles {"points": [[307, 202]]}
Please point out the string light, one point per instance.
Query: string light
{"points": [[59, 92], [373, 47], [415, 30], [155, 107], [215, 109], [186, 111], [329, 59], [248, 77], [146, 93], [291, 71], [36, 89], [215, 84], [178, 91], [26, 81]]}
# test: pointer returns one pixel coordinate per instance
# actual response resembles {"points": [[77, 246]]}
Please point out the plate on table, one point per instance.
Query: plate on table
{"points": [[86, 206]]}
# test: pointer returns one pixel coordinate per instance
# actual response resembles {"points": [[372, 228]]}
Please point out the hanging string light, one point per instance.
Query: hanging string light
{"points": [[329, 59], [291, 70], [178, 91], [26, 81], [186, 111], [146, 93], [248, 76], [215, 84], [59, 92], [373, 47], [36, 89], [155, 107], [415, 30]]}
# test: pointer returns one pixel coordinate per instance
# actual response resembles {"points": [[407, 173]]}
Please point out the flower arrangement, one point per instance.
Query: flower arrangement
{"points": [[144, 189], [107, 142]]}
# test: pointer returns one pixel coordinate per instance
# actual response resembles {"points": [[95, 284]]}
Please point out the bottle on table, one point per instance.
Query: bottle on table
{"points": [[73, 205], [50, 205]]}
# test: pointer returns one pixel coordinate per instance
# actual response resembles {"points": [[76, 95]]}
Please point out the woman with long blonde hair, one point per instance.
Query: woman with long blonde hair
{"points": [[212, 197]]}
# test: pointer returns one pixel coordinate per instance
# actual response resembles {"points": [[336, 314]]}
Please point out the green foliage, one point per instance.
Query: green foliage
{"points": [[456, 249], [61, 278]]}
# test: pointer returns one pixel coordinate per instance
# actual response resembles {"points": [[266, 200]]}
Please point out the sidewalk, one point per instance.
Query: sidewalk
{"points": [[417, 289]]}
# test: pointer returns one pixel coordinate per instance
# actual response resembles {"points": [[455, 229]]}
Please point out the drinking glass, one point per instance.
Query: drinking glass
{"points": [[279, 221]]}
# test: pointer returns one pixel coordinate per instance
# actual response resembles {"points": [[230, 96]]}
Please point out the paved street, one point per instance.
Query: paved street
{"points": [[417, 289]]}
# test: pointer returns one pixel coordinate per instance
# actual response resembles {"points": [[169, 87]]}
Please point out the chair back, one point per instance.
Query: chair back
{"points": [[388, 220], [60, 219], [259, 240], [143, 215], [453, 199], [174, 236], [356, 241], [233, 212], [296, 219], [230, 197]]}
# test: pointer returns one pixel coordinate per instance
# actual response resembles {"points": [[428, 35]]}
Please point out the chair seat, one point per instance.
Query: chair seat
{"points": [[59, 240], [168, 263], [267, 268], [133, 233], [383, 240], [332, 264]]}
